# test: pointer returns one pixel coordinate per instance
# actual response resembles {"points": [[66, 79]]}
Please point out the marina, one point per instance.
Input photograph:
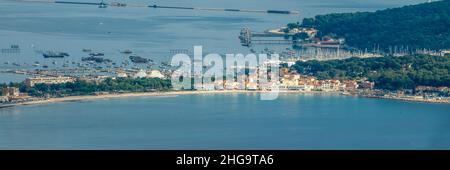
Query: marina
{"points": [[115, 51], [12, 49]]}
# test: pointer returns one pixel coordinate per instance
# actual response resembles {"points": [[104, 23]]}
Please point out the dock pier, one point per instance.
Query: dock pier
{"points": [[247, 38]]}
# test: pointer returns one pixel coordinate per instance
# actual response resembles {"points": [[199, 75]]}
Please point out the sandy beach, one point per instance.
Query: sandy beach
{"points": [[124, 95], [176, 93], [119, 95]]}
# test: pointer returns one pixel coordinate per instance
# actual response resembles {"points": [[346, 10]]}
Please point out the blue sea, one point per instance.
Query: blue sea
{"points": [[228, 121]]}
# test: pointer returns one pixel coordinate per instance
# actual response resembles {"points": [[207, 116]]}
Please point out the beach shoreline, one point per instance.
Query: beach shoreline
{"points": [[142, 94], [176, 93]]}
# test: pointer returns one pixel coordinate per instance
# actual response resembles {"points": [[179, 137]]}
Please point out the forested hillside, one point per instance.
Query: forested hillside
{"points": [[388, 72], [425, 25]]}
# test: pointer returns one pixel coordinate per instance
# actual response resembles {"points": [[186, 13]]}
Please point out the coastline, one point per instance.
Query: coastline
{"points": [[176, 93], [409, 99], [139, 94], [118, 95]]}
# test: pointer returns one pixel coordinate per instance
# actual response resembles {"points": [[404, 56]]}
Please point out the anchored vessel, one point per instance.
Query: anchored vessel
{"points": [[96, 54], [52, 54], [138, 59]]}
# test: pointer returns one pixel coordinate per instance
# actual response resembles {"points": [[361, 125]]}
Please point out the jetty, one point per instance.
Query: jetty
{"points": [[247, 38], [103, 4]]}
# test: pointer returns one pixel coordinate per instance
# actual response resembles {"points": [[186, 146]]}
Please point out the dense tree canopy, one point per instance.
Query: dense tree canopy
{"points": [[389, 72], [86, 88]]}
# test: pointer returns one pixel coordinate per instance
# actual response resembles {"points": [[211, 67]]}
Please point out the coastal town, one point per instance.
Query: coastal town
{"points": [[289, 81], [96, 69], [305, 43]]}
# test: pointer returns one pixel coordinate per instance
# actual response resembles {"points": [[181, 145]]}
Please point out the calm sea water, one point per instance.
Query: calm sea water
{"points": [[228, 121], [196, 121]]}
